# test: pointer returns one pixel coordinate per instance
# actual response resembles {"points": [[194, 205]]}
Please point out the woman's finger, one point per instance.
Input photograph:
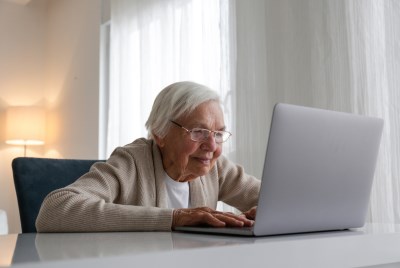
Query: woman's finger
{"points": [[233, 220], [208, 216], [251, 214]]}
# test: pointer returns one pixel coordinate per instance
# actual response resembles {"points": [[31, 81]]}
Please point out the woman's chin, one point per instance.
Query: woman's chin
{"points": [[200, 167], [202, 171]]}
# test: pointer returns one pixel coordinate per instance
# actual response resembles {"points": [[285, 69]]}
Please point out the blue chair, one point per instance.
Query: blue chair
{"points": [[34, 178]]}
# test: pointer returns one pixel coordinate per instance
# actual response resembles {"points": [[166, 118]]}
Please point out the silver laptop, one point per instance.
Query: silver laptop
{"points": [[318, 173]]}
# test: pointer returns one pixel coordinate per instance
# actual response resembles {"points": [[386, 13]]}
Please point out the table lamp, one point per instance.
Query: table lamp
{"points": [[25, 125]]}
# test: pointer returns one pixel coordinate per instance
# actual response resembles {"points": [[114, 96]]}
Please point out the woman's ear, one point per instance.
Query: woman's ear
{"points": [[160, 141]]}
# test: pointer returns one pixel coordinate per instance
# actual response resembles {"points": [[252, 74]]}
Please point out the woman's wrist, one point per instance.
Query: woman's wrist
{"points": [[175, 217]]}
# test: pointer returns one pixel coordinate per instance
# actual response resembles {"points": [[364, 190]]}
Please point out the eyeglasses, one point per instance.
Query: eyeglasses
{"points": [[201, 134]]}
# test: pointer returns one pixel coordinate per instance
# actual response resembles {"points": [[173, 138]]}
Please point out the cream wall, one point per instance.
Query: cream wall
{"points": [[49, 55]]}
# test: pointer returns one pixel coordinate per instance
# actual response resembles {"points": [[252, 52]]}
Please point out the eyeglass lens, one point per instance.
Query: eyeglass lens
{"points": [[202, 134]]}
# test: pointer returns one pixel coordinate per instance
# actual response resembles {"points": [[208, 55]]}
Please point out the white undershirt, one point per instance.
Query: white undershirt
{"points": [[177, 193]]}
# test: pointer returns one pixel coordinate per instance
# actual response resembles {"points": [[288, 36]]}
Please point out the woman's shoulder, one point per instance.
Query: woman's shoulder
{"points": [[224, 162], [227, 168], [138, 144], [139, 147]]}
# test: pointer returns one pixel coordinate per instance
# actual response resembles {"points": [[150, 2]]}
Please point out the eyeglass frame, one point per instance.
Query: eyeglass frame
{"points": [[190, 131]]}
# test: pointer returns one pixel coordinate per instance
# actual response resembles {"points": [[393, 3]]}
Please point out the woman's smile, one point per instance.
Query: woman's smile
{"points": [[203, 160]]}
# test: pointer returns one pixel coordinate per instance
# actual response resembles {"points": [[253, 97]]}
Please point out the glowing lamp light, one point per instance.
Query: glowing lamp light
{"points": [[25, 125]]}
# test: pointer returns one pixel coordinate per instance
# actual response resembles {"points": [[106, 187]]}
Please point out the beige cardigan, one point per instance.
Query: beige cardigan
{"points": [[127, 193]]}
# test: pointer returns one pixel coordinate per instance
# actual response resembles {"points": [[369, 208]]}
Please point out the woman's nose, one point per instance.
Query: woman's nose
{"points": [[209, 143]]}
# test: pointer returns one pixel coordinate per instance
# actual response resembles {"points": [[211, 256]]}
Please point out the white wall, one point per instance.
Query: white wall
{"points": [[49, 55], [72, 77]]}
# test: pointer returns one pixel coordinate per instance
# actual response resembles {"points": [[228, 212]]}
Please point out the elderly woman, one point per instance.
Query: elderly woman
{"points": [[174, 178]]}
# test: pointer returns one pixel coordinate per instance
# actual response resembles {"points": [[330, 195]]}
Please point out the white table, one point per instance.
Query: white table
{"points": [[372, 245], [3, 222]]}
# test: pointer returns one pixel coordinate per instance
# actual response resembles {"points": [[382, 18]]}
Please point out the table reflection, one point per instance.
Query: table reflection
{"points": [[7, 248], [32, 247], [61, 246]]}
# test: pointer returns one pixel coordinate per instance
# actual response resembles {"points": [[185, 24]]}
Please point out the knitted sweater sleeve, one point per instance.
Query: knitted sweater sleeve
{"points": [[110, 197], [236, 188]]}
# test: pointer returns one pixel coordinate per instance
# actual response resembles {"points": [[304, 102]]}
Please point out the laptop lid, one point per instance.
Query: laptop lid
{"points": [[318, 172]]}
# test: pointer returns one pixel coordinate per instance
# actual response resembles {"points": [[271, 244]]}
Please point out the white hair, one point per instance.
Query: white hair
{"points": [[175, 100]]}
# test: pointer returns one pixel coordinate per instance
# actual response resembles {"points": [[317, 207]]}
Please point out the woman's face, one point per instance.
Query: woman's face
{"points": [[184, 159]]}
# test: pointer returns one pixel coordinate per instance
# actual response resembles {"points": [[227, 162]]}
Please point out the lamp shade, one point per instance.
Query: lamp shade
{"points": [[25, 125]]}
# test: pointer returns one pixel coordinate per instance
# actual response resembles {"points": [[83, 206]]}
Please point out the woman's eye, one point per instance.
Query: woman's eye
{"points": [[219, 134], [197, 131]]}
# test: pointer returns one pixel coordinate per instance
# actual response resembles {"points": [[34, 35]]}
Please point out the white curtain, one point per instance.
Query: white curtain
{"points": [[157, 42], [342, 55]]}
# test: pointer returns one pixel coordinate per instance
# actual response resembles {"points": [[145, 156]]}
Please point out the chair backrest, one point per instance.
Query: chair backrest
{"points": [[34, 178]]}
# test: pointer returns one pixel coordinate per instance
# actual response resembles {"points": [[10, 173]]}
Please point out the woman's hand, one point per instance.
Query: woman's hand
{"points": [[207, 216], [251, 213]]}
